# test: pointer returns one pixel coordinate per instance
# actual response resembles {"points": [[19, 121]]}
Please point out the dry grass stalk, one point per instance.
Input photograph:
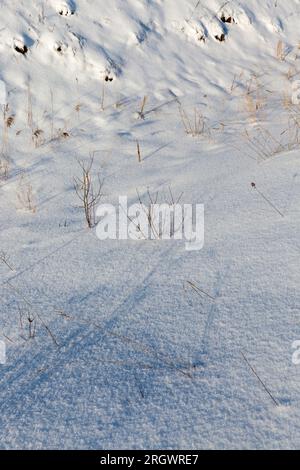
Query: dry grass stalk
{"points": [[141, 111], [4, 257], [260, 380], [38, 137], [25, 195], [253, 99], [235, 81], [253, 185], [262, 144], [199, 291], [26, 314], [4, 167], [33, 311], [8, 121], [88, 193], [194, 125], [280, 51], [156, 225], [287, 100], [138, 149]]}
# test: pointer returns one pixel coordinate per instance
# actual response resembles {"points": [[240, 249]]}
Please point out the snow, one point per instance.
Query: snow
{"points": [[125, 353]]}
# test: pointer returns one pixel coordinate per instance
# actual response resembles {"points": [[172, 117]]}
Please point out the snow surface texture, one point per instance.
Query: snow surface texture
{"points": [[142, 360]]}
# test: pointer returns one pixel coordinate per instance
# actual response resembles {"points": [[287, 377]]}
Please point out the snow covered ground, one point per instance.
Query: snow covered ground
{"points": [[108, 344]]}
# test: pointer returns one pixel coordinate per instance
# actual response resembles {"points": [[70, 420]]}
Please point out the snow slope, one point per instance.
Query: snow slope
{"points": [[126, 354]]}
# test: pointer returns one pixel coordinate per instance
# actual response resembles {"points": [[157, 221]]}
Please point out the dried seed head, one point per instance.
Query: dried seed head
{"points": [[10, 121]]}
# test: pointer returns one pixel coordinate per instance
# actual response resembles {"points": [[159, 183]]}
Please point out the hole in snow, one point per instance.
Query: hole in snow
{"points": [[66, 12], [220, 37], [23, 44], [227, 19], [65, 135], [60, 48], [67, 9], [21, 48]]}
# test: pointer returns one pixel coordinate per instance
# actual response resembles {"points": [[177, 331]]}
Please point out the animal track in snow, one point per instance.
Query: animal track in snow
{"points": [[220, 38], [21, 46], [227, 19], [60, 47], [67, 8]]}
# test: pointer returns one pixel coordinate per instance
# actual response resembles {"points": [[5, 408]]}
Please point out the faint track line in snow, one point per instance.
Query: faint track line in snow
{"points": [[211, 316], [21, 376], [25, 380], [27, 377], [40, 260]]}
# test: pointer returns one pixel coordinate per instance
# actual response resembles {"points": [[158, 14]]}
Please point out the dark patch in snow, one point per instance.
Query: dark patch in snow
{"points": [[227, 19], [21, 49], [67, 9], [220, 37]]}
